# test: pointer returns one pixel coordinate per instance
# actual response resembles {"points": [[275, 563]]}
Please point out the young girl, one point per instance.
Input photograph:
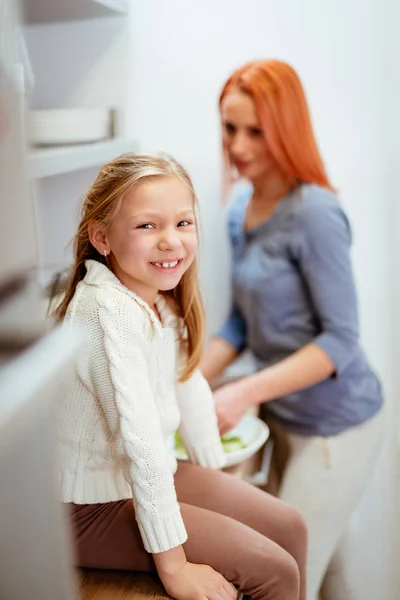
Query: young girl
{"points": [[133, 293]]}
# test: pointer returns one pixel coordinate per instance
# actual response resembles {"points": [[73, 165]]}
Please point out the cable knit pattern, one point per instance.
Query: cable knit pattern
{"points": [[123, 404]]}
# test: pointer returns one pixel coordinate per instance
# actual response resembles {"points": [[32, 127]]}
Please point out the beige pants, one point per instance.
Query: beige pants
{"points": [[253, 539], [324, 479]]}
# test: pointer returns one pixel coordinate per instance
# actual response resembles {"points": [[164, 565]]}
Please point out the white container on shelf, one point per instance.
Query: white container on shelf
{"points": [[47, 11], [69, 126]]}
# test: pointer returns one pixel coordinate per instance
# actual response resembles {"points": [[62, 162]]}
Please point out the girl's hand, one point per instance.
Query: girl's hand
{"points": [[197, 582], [231, 403]]}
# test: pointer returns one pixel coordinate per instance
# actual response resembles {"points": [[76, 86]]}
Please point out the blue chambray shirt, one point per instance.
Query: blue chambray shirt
{"points": [[292, 283]]}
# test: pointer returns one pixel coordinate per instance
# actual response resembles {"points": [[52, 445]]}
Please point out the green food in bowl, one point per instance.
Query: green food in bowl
{"points": [[179, 447], [230, 443]]}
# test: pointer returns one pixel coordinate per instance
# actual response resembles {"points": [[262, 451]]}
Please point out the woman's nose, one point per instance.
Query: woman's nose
{"points": [[239, 144]]}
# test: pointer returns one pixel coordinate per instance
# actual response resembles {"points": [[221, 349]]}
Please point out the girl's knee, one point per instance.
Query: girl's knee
{"points": [[297, 531], [271, 573], [286, 576], [299, 526]]}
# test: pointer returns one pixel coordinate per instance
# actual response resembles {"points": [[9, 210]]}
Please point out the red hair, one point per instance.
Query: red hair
{"points": [[284, 116]]}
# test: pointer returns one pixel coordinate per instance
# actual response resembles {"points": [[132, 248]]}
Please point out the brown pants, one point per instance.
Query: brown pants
{"points": [[254, 540]]}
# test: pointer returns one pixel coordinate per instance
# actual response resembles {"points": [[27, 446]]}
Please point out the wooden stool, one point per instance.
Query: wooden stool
{"points": [[99, 584]]}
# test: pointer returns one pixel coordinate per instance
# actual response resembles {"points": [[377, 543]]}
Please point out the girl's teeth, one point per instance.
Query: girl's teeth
{"points": [[166, 265]]}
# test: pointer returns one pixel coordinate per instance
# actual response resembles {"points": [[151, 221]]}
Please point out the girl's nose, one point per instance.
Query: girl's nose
{"points": [[169, 240]]}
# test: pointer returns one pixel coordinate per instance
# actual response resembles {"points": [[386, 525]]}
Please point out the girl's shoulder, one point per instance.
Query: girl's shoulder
{"points": [[100, 290]]}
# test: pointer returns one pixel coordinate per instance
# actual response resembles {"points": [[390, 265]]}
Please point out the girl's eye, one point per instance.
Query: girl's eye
{"points": [[184, 223], [145, 226]]}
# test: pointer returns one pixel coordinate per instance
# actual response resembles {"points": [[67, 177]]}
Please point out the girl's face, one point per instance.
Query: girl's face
{"points": [[153, 239], [243, 138]]}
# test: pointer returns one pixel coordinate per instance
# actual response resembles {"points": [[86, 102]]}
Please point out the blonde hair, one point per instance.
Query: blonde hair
{"points": [[102, 203]]}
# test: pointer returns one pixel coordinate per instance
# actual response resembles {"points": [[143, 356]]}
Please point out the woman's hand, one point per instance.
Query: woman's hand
{"points": [[231, 403], [197, 582]]}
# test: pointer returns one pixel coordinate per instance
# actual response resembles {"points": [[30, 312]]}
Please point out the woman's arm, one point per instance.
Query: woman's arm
{"points": [[218, 356], [304, 368], [230, 339], [224, 348]]}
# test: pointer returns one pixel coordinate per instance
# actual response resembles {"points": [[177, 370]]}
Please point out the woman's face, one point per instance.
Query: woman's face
{"points": [[243, 137]]}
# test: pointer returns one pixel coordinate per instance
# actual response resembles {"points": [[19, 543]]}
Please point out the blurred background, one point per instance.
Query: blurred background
{"points": [[155, 70]]}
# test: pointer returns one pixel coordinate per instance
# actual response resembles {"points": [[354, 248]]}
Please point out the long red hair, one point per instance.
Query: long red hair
{"points": [[284, 117]]}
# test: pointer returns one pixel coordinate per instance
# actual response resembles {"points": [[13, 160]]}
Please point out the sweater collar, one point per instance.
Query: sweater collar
{"points": [[98, 274]]}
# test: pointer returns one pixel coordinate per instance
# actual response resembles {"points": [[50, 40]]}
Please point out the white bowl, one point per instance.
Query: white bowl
{"points": [[69, 126], [253, 432]]}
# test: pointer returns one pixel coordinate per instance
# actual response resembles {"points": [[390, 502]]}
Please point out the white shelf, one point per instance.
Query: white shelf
{"points": [[48, 11], [46, 162]]}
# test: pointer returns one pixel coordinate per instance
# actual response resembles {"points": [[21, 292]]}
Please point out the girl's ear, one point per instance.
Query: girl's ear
{"points": [[98, 237]]}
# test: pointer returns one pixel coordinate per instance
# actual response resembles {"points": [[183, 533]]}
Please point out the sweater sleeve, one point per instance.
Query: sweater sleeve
{"points": [[147, 471], [199, 426]]}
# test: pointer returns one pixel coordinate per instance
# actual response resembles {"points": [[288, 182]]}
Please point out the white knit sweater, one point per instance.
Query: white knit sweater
{"points": [[123, 404]]}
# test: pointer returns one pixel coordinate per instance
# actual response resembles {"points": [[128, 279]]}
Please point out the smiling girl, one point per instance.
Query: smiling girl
{"points": [[133, 293]]}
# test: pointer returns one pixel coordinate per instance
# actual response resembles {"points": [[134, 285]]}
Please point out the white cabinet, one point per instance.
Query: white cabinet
{"points": [[35, 552], [18, 248]]}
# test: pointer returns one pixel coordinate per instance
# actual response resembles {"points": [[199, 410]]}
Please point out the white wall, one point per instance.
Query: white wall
{"points": [[181, 58], [391, 88]]}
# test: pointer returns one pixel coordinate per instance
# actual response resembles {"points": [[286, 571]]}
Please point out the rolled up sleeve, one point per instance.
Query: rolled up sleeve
{"points": [[324, 260], [233, 330]]}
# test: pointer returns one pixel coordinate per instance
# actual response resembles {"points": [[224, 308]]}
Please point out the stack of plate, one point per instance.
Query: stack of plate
{"points": [[69, 126]]}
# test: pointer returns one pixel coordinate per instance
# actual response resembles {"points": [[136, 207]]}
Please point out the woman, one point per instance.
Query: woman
{"points": [[295, 308]]}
